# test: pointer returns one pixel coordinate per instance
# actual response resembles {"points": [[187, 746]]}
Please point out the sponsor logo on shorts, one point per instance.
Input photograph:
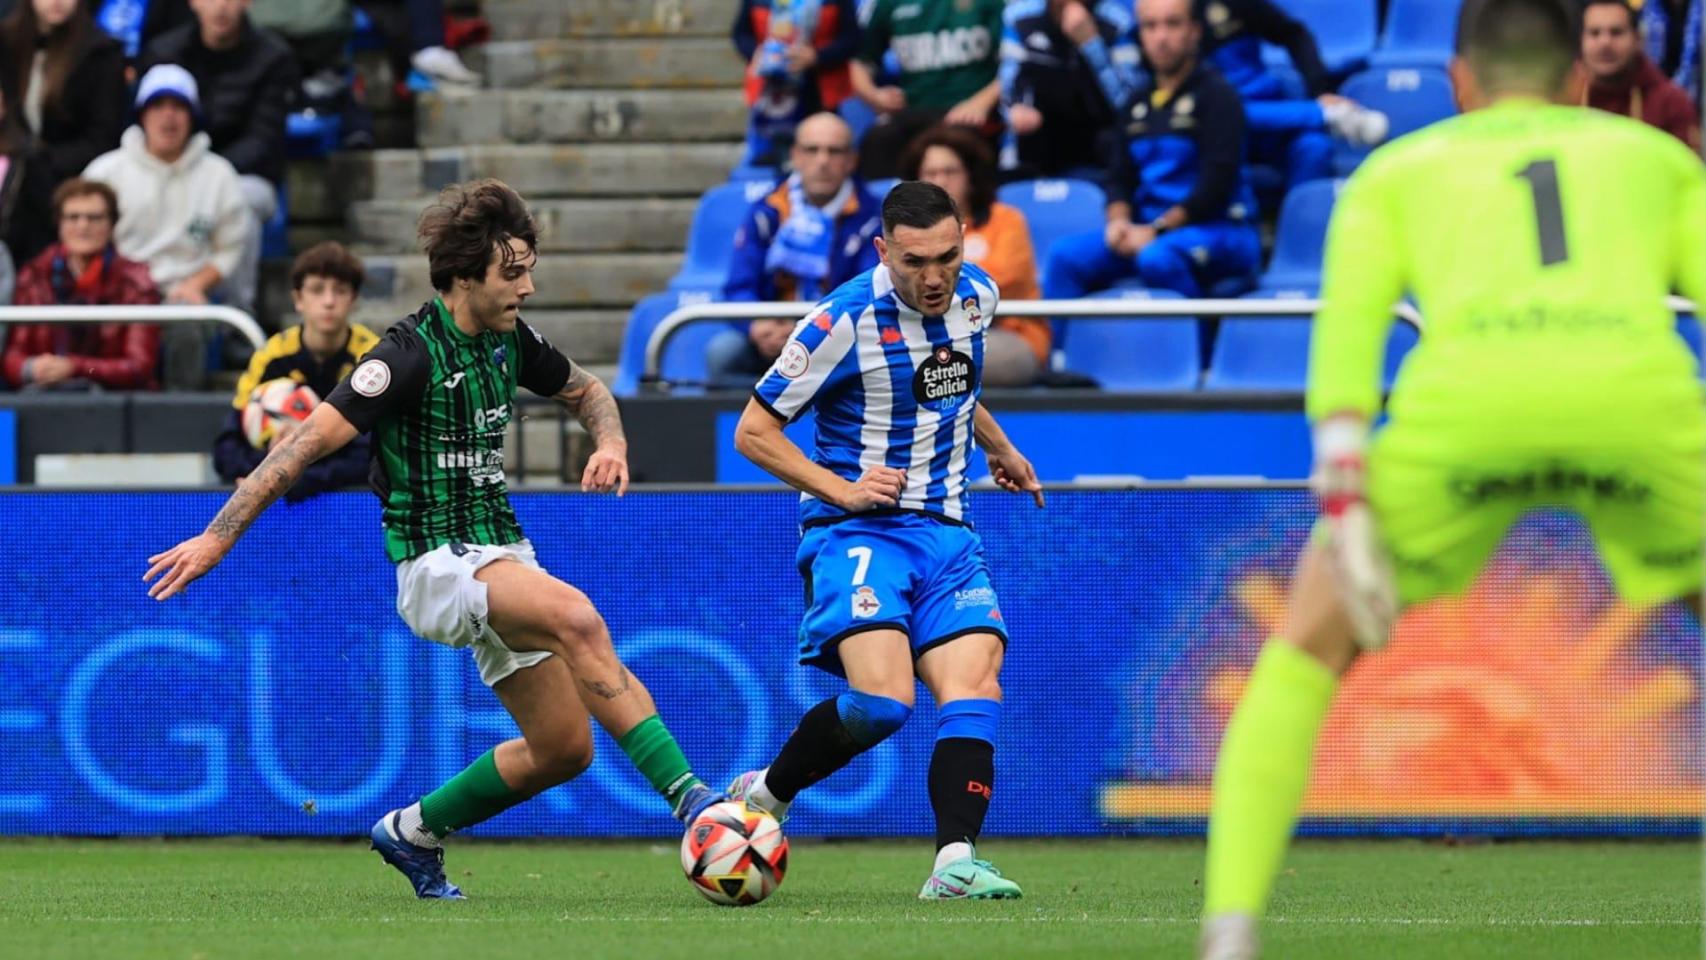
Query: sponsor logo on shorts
{"points": [[865, 603], [794, 361], [975, 597], [371, 378], [1561, 480]]}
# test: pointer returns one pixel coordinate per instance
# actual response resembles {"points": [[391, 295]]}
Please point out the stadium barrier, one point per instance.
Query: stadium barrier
{"points": [[281, 694], [164, 314]]}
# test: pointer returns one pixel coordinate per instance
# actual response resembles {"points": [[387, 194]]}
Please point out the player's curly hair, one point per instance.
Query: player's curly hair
{"points": [[468, 225]]}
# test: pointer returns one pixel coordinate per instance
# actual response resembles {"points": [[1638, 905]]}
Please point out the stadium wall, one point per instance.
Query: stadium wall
{"points": [[282, 695]]}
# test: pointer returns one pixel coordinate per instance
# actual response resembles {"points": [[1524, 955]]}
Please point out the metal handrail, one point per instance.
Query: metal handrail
{"points": [[1100, 309], [164, 313]]}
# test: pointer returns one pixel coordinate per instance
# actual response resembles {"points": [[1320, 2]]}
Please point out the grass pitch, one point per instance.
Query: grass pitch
{"points": [[211, 900]]}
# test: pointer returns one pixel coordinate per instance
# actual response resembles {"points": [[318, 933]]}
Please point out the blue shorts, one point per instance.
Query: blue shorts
{"points": [[905, 572]]}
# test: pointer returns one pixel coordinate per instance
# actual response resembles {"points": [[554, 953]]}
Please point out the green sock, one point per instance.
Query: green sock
{"points": [[1259, 779], [657, 756], [475, 794]]}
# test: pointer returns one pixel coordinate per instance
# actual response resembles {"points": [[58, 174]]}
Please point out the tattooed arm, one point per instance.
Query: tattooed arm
{"points": [[323, 432], [592, 404]]}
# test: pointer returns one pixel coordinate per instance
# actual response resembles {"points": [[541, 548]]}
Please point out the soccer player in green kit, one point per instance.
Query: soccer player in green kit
{"points": [[436, 394], [1540, 242]]}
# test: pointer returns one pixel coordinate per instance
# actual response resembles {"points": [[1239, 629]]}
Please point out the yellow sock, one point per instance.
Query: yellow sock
{"points": [[1260, 775]]}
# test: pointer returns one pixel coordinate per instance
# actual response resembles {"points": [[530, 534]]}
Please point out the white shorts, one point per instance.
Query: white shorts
{"points": [[440, 599]]}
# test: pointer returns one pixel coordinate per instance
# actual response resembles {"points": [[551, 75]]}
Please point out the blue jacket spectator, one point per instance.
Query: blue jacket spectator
{"points": [[1292, 134], [1064, 68], [809, 236], [797, 55], [1180, 212]]}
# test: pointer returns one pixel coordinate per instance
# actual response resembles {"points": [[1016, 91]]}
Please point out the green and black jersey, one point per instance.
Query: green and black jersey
{"points": [[948, 49], [438, 402]]}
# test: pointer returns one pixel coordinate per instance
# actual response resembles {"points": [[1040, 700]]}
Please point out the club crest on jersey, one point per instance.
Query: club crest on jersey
{"points": [[944, 380], [974, 314], [865, 603], [500, 356]]}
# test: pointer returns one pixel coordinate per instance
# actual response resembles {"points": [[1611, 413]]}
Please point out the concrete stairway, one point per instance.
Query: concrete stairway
{"points": [[610, 116]]}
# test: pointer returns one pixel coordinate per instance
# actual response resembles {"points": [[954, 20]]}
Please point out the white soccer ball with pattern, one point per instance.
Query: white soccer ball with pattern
{"points": [[272, 403], [734, 855]]}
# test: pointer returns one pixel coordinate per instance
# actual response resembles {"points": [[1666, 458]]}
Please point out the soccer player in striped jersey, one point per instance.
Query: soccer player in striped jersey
{"points": [[436, 394], [1540, 241], [896, 582]]}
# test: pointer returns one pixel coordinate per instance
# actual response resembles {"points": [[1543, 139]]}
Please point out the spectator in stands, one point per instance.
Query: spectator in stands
{"points": [[1177, 170], [418, 38], [319, 352], [247, 77], [997, 239], [809, 236], [946, 55], [1291, 134], [183, 209], [797, 56], [84, 268], [1616, 75], [65, 94], [1064, 68]]}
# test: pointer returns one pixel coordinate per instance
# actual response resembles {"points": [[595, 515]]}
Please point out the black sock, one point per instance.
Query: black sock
{"points": [[962, 776], [818, 747]]}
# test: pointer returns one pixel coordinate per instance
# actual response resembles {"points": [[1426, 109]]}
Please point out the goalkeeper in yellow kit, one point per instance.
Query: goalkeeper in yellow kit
{"points": [[1540, 242]]}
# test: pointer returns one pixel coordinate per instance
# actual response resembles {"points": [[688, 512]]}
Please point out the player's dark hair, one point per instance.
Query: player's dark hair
{"points": [[1627, 7], [918, 205], [468, 225], [329, 259], [1527, 45], [974, 155]]}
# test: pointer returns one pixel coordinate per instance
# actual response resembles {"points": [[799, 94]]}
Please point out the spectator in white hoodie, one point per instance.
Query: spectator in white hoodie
{"points": [[182, 206]]}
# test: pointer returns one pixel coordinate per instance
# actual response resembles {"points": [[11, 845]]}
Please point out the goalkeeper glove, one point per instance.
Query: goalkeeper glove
{"points": [[1367, 587]]}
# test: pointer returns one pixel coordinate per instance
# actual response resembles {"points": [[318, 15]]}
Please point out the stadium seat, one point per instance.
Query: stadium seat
{"points": [[881, 186], [1688, 328], [1261, 353], [1054, 209], [858, 115], [1419, 33], [275, 233], [1345, 30], [754, 173], [684, 355], [710, 240], [310, 136], [1300, 237], [1138, 354], [1411, 97]]}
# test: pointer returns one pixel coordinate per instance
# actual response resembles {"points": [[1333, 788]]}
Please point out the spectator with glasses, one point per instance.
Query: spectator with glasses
{"points": [[83, 268], [809, 236]]}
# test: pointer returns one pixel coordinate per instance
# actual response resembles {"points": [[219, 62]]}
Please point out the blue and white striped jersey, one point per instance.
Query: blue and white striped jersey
{"points": [[891, 387]]}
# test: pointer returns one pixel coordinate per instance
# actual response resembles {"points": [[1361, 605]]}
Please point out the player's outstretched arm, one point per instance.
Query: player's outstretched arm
{"points": [[759, 438], [325, 431], [592, 404], [1012, 472]]}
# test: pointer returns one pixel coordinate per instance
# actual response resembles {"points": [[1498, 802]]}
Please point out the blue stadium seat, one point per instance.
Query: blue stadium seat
{"points": [[1136, 355], [881, 186], [858, 115], [1688, 328], [1261, 353], [1345, 30], [1411, 97], [1399, 342], [1054, 209], [710, 241], [275, 233], [1301, 235], [753, 173], [311, 136], [683, 356], [1419, 33]]}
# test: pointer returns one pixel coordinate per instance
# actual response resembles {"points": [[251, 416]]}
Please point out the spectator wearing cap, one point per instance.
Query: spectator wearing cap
{"points": [[182, 209], [84, 269], [1615, 75], [247, 76], [66, 97]]}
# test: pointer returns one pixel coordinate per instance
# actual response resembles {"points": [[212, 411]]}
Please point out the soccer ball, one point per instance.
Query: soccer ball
{"points": [[734, 854], [273, 402]]}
